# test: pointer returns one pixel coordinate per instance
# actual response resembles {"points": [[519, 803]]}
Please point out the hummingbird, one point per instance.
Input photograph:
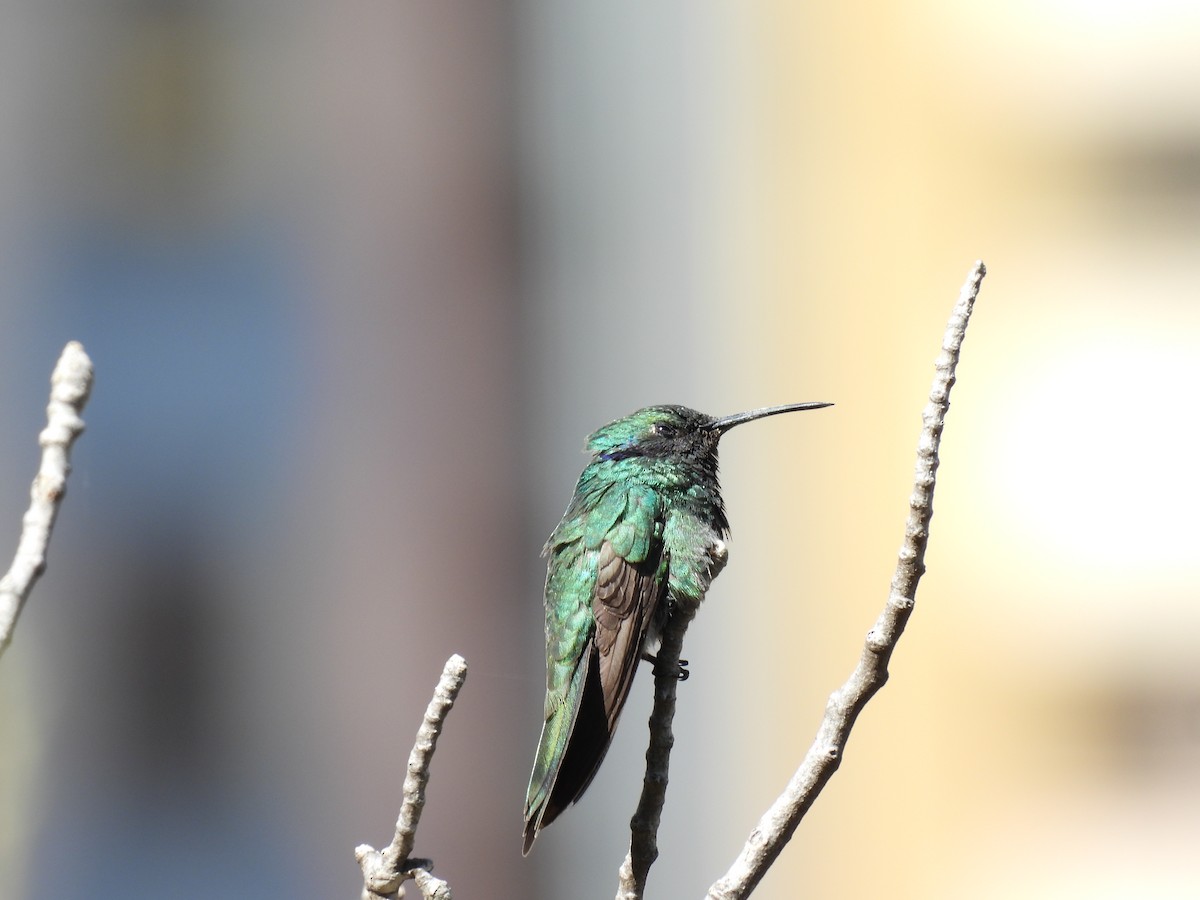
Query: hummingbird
{"points": [[644, 534]]}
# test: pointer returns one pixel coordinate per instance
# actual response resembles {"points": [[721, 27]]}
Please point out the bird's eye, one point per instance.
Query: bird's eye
{"points": [[661, 429]]}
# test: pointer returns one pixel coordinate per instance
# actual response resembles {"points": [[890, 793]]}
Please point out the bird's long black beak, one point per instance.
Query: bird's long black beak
{"points": [[722, 425]]}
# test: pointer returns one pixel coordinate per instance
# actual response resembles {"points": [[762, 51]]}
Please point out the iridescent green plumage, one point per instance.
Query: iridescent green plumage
{"points": [[644, 533]]}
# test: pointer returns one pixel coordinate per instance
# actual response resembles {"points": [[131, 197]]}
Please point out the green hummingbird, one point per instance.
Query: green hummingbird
{"points": [[644, 534]]}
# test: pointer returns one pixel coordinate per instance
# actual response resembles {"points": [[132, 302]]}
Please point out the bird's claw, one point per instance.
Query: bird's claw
{"points": [[680, 673]]}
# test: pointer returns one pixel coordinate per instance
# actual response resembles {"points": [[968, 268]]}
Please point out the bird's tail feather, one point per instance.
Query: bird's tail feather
{"points": [[574, 741]]}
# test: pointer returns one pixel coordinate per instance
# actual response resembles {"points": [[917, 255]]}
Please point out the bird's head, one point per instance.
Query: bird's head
{"points": [[673, 433]]}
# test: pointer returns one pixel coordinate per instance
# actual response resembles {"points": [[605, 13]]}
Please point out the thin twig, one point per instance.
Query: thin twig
{"points": [[70, 385], [643, 843], [384, 871], [776, 827]]}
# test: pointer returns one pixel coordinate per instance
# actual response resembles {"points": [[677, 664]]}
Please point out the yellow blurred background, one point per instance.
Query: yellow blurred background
{"points": [[358, 280]]}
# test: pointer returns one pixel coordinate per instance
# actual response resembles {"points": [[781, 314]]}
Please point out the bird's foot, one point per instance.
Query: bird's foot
{"points": [[680, 672]]}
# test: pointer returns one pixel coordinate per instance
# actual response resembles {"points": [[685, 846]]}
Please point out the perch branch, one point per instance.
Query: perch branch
{"points": [[643, 843], [776, 827], [70, 385], [384, 871]]}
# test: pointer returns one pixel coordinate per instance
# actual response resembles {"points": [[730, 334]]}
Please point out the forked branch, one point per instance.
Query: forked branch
{"points": [[385, 871]]}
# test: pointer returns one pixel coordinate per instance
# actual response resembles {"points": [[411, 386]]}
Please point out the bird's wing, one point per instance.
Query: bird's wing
{"points": [[605, 578], [627, 592]]}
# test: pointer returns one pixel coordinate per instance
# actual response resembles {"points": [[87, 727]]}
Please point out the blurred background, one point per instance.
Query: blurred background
{"points": [[358, 279]]}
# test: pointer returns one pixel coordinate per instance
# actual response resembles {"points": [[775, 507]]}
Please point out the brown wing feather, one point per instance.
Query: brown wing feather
{"points": [[623, 604], [624, 599]]}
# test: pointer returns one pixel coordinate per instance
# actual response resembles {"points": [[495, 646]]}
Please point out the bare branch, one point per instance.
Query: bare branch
{"points": [[643, 844], [70, 385], [431, 887], [385, 871], [776, 827]]}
